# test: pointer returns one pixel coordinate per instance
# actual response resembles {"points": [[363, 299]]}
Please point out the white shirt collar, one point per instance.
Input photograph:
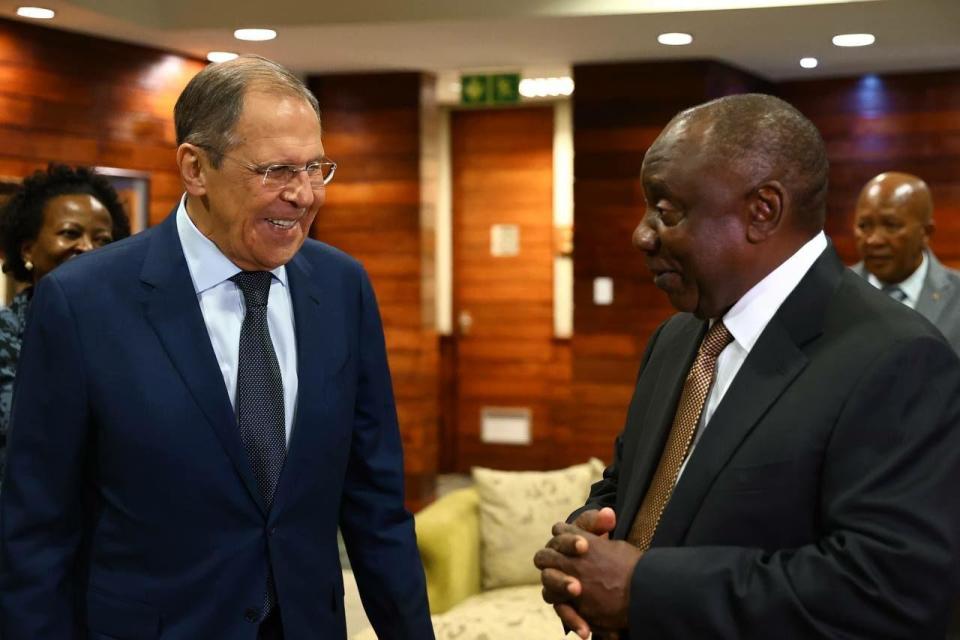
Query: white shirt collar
{"points": [[747, 319], [208, 266], [912, 285]]}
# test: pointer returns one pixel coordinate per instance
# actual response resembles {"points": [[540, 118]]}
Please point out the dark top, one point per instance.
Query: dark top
{"points": [[12, 321]]}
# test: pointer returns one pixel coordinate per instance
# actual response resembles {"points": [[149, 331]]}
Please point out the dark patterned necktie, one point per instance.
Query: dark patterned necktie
{"points": [[260, 410], [692, 398]]}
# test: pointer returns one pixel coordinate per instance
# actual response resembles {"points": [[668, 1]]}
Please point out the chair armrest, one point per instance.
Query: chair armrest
{"points": [[448, 536]]}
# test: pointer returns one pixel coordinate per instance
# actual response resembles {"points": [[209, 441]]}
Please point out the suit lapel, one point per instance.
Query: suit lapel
{"points": [[772, 365], [321, 352], [173, 311], [674, 354]]}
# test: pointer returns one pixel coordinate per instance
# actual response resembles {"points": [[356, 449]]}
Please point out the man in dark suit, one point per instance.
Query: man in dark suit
{"points": [[791, 454], [892, 227], [199, 408]]}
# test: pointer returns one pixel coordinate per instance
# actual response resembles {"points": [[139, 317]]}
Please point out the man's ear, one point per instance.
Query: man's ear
{"points": [[928, 230], [190, 162], [765, 209]]}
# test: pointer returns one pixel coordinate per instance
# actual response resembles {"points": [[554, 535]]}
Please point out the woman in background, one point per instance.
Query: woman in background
{"points": [[55, 215]]}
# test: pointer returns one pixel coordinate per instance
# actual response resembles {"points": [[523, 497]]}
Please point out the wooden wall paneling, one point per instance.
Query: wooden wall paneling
{"points": [[373, 126], [80, 100], [619, 109], [896, 122]]}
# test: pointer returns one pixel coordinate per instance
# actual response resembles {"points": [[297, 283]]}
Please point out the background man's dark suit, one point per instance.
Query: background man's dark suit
{"points": [[804, 494], [178, 542]]}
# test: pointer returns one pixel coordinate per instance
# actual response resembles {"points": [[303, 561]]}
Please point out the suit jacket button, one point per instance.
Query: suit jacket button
{"points": [[251, 615]]}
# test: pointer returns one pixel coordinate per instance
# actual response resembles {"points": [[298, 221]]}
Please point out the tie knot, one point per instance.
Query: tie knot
{"points": [[255, 286], [895, 292], [716, 340]]}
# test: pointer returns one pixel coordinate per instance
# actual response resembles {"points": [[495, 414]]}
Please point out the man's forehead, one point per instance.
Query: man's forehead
{"points": [[678, 142], [890, 195]]}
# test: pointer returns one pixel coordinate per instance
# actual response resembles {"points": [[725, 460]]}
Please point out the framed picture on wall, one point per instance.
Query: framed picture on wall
{"points": [[134, 190]]}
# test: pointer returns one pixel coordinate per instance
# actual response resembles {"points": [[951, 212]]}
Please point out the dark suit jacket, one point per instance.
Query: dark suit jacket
{"points": [[939, 300], [130, 509], [821, 500]]}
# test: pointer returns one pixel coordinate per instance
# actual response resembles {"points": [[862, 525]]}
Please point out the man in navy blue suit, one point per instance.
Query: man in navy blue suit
{"points": [[197, 409]]}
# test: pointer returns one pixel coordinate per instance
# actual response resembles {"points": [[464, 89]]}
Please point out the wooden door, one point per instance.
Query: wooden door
{"points": [[505, 355]]}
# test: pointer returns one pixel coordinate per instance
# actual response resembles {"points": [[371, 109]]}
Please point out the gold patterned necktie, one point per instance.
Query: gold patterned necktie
{"points": [[692, 399]]}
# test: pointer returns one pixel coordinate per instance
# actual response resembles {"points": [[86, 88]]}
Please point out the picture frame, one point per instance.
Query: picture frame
{"points": [[134, 190]]}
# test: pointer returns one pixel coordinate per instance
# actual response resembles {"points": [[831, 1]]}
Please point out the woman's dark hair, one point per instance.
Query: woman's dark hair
{"points": [[22, 217]]}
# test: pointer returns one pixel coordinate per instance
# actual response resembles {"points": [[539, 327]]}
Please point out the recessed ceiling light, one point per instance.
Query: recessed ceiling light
{"points": [[675, 39], [255, 35], [854, 39], [221, 56], [809, 63], [38, 13]]}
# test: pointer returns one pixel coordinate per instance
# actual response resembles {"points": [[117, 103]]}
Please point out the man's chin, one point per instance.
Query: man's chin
{"points": [[683, 302]]}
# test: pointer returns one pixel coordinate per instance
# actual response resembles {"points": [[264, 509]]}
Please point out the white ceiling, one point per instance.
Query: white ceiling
{"points": [[533, 36]]}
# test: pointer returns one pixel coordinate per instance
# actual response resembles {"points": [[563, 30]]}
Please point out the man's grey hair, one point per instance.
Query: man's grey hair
{"points": [[208, 108], [766, 137]]}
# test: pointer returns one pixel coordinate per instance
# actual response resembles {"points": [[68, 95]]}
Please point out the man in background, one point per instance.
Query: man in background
{"points": [[198, 408], [791, 454], [892, 227]]}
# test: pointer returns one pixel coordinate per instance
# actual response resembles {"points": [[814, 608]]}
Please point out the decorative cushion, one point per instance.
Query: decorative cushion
{"points": [[517, 509], [512, 613]]}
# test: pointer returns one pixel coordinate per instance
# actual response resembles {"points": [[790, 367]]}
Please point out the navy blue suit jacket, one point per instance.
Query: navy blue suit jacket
{"points": [[130, 509]]}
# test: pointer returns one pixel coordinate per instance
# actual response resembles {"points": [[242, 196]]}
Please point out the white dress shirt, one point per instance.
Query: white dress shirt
{"points": [[747, 319], [223, 308], [911, 286]]}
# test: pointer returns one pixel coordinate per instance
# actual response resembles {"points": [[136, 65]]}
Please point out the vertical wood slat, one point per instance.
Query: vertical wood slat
{"points": [[372, 128]]}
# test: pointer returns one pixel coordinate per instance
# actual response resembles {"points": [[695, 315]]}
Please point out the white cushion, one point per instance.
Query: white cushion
{"points": [[511, 612], [517, 509]]}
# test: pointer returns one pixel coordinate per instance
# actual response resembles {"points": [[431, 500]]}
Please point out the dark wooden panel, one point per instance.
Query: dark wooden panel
{"points": [[876, 123]]}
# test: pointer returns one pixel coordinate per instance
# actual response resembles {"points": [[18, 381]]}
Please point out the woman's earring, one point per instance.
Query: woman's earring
{"points": [[28, 265]]}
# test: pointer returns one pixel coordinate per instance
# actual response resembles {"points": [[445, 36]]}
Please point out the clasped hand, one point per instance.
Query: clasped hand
{"points": [[585, 575]]}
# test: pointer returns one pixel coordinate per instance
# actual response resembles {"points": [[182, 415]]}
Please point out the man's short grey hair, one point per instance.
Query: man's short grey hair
{"points": [[766, 137], [208, 108]]}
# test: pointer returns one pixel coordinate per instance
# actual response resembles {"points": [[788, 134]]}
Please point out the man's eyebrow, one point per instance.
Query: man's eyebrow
{"points": [[313, 160]]}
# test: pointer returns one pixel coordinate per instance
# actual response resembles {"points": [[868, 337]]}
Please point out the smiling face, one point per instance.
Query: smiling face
{"points": [[72, 224], [694, 231], [259, 228], [892, 225]]}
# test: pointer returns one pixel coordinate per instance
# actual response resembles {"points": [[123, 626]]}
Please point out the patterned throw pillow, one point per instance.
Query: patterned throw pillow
{"points": [[517, 509]]}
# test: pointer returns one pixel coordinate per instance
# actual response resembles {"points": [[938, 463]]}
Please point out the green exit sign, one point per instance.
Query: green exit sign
{"points": [[501, 88]]}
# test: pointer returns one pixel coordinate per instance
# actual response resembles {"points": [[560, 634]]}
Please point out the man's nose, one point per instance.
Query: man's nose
{"points": [[84, 244], [645, 237], [876, 237], [299, 191]]}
